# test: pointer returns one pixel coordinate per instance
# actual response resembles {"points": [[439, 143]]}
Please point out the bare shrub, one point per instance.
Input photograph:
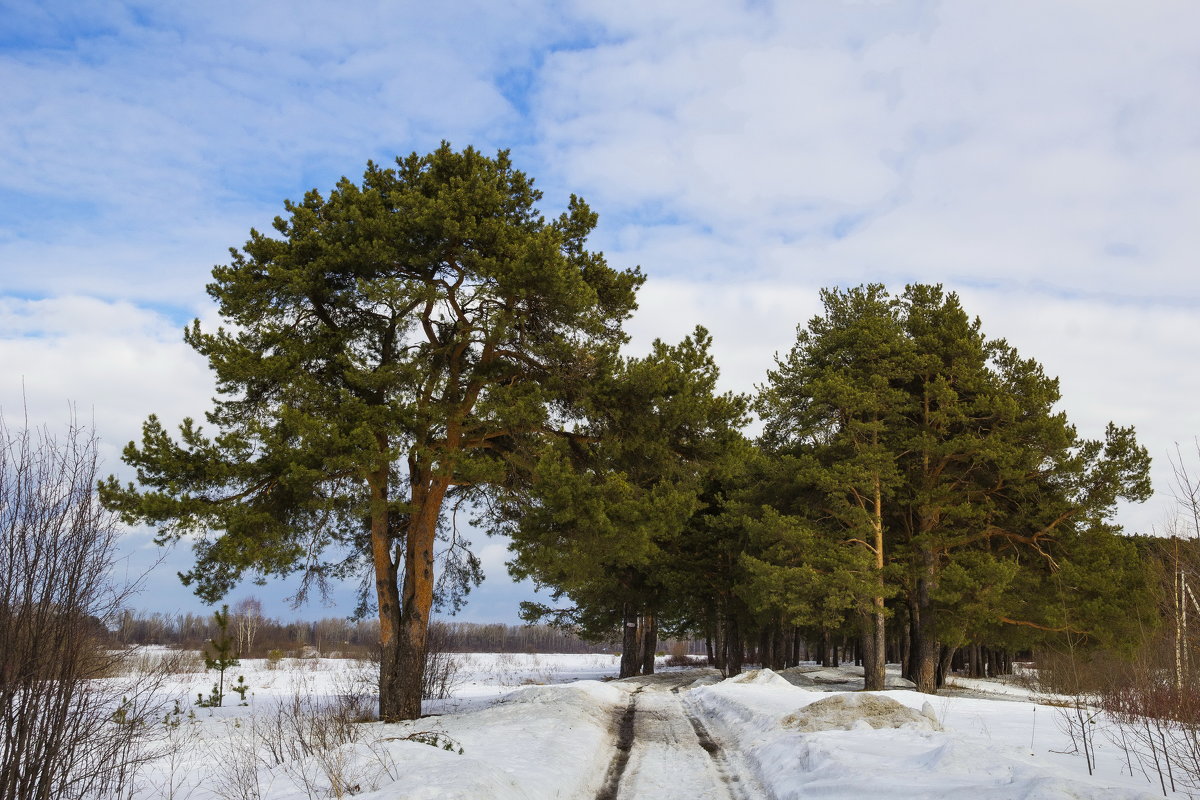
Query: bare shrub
{"points": [[315, 743], [1077, 719], [181, 662], [356, 691], [143, 661], [63, 733], [298, 726], [674, 660], [506, 669], [238, 776], [1157, 726], [1137, 704], [442, 668], [175, 777], [678, 650], [308, 740], [1069, 672]]}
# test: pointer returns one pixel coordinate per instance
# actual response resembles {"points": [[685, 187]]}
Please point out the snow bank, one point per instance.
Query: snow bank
{"points": [[856, 711], [557, 741], [538, 742], [844, 677], [531, 743], [813, 744], [759, 677]]}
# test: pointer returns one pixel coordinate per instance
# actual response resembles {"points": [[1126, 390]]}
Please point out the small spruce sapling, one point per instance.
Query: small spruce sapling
{"points": [[221, 658]]}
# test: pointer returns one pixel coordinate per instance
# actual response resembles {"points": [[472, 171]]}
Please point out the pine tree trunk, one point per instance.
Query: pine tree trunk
{"points": [[649, 643], [720, 646], [734, 647], [867, 634], [387, 596], [944, 665], [875, 651], [927, 648], [778, 646], [630, 656], [417, 593], [709, 616], [875, 645]]}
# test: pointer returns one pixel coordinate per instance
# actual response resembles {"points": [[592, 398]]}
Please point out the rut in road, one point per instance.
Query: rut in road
{"points": [[665, 749], [625, 734]]}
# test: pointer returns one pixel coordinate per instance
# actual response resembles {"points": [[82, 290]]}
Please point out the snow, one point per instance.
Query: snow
{"points": [[548, 726], [537, 742], [859, 712], [983, 749]]}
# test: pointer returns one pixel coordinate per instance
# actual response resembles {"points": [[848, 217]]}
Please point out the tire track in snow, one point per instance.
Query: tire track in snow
{"points": [[664, 748], [730, 765], [625, 725]]}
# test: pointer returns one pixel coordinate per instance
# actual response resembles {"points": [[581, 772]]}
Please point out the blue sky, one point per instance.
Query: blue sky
{"points": [[1042, 158]]}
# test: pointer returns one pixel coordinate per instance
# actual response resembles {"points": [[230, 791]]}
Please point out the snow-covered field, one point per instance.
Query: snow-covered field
{"points": [[522, 727]]}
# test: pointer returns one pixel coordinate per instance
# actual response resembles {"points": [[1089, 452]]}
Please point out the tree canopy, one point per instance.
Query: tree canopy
{"points": [[603, 522], [900, 419], [399, 343]]}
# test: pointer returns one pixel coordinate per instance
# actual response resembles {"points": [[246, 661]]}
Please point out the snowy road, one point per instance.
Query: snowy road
{"points": [[665, 748], [757, 736]]}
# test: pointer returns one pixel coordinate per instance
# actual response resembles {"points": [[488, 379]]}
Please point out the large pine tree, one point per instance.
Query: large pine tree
{"points": [[398, 341]]}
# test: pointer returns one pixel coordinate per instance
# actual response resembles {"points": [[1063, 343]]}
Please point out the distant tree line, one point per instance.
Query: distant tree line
{"points": [[256, 636]]}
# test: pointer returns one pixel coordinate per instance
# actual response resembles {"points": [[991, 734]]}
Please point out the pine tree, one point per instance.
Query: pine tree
{"points": [[220, 654], [831, 403], [602, 523], [400, 344]]}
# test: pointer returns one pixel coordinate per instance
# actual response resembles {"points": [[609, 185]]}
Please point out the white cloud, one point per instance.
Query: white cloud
{"points": [[1041, 157], [1033, 143], [175, 129], [114, 362]]}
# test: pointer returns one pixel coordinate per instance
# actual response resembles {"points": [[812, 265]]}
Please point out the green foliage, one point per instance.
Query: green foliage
{"points": [[240, 688], [436, 739], [792, 568], [175, 717], [896, 415], [274, 658], [126, 714], [400, 343], [214, 699], [429, 319], [604, 520], [220, 654]]}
